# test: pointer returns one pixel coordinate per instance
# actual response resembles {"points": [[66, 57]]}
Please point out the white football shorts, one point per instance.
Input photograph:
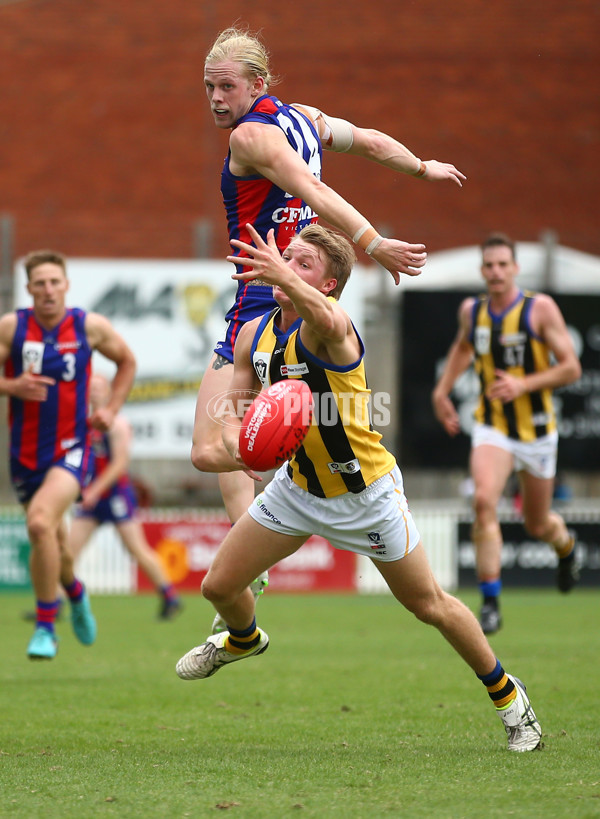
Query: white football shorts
{"points": [[375, 522], [538, 457]]}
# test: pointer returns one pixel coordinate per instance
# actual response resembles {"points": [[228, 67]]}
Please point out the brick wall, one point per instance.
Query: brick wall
{"points": [[107, 147]]}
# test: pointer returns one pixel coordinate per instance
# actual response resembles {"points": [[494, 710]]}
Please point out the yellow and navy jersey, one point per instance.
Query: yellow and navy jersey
{"points": [[341, 452], [505, 341]]}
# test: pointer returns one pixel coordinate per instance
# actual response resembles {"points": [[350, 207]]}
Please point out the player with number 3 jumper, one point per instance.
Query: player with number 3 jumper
{"points": [[46, 352]]}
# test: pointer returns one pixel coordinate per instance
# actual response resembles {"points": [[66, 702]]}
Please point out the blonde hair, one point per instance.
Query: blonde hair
{"points": [[245, 48], [339, 253]]}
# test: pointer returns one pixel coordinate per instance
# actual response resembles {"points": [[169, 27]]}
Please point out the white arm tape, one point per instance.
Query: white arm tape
{"points": [[337, 133]]}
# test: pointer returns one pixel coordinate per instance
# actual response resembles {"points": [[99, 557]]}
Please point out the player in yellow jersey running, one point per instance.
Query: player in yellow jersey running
{"points": [[342, 484], [511, 335]]}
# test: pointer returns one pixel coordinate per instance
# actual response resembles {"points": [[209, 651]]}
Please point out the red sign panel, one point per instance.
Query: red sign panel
{"points": [[187, 545]]}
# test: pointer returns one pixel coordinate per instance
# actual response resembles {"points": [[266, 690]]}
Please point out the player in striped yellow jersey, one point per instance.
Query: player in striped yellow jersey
{"points": [[522, 350], [343, 484]]}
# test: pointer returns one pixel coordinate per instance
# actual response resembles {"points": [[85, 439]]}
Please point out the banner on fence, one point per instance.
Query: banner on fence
{"points": [[187, 547]]}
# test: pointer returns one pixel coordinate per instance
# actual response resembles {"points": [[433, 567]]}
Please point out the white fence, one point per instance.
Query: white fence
{"points": [[107, 568]]}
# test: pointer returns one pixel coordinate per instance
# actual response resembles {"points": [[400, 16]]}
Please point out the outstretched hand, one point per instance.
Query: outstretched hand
{"points": [[438, 171], [400, 257], [263, 257]]}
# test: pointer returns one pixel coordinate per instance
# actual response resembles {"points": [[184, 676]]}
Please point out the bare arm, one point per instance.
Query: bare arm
{"points": [[342, 136], [103, 337], [326, 328], [27, 386], [548, 322], [458, 360], [264, 149], [120, 446]]}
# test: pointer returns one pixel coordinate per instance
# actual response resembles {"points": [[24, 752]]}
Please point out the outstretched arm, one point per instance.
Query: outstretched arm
{"points": [[261, 149], [459, 358], [342, 136]]}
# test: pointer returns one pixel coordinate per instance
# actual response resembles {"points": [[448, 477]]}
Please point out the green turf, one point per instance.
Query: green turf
{"points": [[357, 710]]}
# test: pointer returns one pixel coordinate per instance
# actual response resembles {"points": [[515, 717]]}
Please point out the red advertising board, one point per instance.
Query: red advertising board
{"points": [[186, 545]]}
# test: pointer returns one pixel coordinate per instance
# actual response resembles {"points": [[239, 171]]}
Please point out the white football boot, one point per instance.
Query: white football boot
{"points": [[205, 660], [522, 728]]}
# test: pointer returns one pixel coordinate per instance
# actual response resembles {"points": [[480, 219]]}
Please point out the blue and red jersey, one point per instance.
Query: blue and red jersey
{"points": [[256, 200], [42, 432]]}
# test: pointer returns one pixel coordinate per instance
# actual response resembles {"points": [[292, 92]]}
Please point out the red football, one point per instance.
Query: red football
{"points": [[275, 424]]}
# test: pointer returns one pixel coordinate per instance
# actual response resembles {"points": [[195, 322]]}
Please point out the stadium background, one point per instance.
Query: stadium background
{"points": [[108, 149]]}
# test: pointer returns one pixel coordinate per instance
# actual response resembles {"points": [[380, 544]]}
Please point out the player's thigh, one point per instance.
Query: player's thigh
{"points": [[215, 383], [59, 489], [410, 579], [248, 550], [536, 495], [491, 467]]}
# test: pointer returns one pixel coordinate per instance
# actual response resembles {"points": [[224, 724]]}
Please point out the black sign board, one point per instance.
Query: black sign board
{"points": [[428, 323], [529, 562]]}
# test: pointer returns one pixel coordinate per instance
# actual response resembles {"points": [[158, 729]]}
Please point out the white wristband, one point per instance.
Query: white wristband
{"points": [[373, 245], [360, 232]]}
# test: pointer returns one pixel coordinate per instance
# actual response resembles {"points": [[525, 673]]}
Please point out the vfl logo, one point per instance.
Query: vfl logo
{"points": [[375, 540], [33, 354], [482, 340], [261, 366]]}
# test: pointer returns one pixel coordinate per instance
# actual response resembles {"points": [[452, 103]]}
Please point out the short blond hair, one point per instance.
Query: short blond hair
{"points": [[244, 47], [339, 253]]}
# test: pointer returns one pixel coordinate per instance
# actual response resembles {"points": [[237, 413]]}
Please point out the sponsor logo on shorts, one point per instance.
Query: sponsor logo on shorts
{"points": [[349, 468], [266, 511]]}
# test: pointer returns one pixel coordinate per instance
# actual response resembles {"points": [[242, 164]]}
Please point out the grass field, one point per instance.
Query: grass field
{"points": [[357, 710]]}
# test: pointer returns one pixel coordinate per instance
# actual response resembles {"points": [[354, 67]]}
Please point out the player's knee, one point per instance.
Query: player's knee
{"points": [[213, 591], [483, 506], [427, 609], [39, 524]]}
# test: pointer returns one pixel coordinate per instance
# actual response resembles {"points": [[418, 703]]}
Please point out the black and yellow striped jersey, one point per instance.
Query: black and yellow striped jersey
{"points": [[341, 452], [505, 341]]}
